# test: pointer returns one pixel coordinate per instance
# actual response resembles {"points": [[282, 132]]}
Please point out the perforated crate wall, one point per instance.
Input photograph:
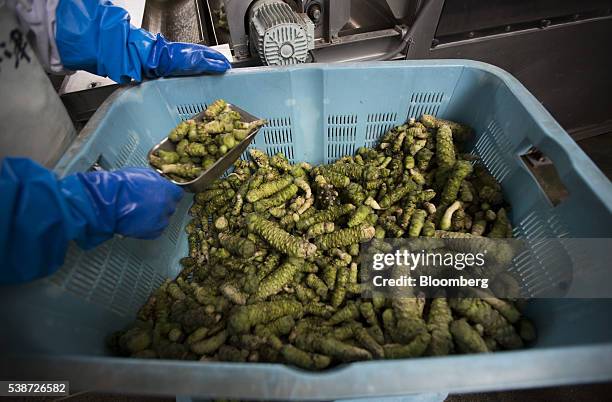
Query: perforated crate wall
{"points": [[116, 275]]}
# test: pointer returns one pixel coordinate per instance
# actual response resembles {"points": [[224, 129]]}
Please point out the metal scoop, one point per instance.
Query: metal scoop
{"points": [[216, 169]]}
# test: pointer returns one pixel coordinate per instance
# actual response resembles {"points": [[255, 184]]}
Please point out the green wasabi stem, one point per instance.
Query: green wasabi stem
{"points": [[415, 348], [329, 272], [319, 286], [305, 360], [270, 264], [228, 141], [353, 274], [339, 288], [318, 309], [339, 350], [409, 162], [345, 237], [280, 239], [385, 162], [467, 339], [372, 203], [490, 215], [505, 308], [438, 321], [233, 294], [195, 149], [279, 327], [416, 223], [268, 189], [429, 228], [197, 335], [398, 142], [319, 229], [336, 179], [186, 170], [500, 226], [489, 189], [461, 132], [377, 333], [280, 162], [417, 146], [240, 134], [214, 127], [328, 215], [445, 149], [366, 340], [215, 108], [305, 207], [343, 257], [304, 294], [480, 224], [389, 225], [409, 322], [181, 148], [168, 157], [494, 323], [261, 159], [467, 221], [446, 221], [466, 191], [417, 177], [460, 171], [277, 280], [423, 158], [359, 216], [296, 203], [237, 245], [407, 210], [430, 208], [397, 194], [221, 223], [245, 317], [219, 201], [210, 345], [302, 184], [368, 313], [355, 193], [349, 312], [175, 291], [179, 132]]}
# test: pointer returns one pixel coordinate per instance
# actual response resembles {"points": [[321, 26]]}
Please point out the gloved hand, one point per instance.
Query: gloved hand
{"points": [[96, 36], [40, 214]]}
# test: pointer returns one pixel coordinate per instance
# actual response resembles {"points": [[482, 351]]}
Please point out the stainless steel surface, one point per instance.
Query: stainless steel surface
{"points": [[565, 62], [338, 24], [202, 182], [178, 20], [567, 67]]}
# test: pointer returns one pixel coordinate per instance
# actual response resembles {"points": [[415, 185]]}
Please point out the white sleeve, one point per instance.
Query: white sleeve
{"points": [[38, 17]]}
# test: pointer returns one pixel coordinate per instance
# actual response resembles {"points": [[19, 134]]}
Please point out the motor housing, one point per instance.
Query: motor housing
{"points": [[279, 35]]}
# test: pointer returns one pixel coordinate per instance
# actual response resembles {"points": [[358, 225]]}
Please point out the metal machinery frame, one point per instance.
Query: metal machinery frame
{"points": [[559, 49]]}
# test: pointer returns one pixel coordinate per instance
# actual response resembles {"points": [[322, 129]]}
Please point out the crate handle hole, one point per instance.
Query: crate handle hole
{"points": [[545, 172]]}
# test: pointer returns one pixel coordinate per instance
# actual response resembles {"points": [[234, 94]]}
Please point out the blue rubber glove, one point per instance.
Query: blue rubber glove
{"points": [[40, 214], [96, 36]]}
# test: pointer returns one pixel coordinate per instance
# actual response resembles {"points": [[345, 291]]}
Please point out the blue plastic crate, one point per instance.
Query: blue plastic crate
{"points": [[317, 113]]}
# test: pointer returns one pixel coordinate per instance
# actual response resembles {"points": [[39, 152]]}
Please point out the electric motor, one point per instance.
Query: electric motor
{"points": [[279, 35]]}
